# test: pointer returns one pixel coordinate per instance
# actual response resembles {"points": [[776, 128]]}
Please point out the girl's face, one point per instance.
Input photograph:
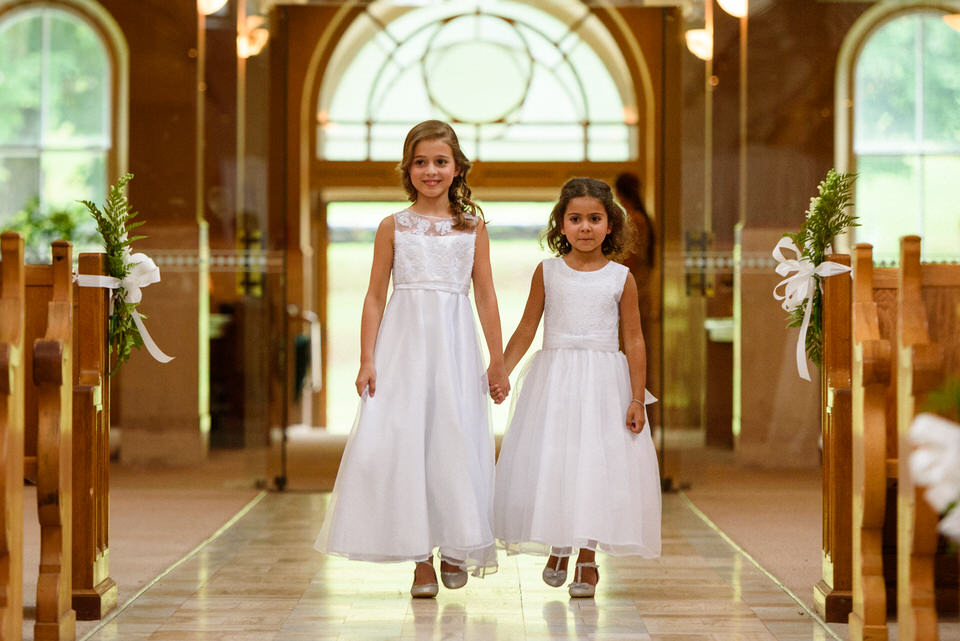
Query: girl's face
{"points": [[585, 224], [432, 169]]}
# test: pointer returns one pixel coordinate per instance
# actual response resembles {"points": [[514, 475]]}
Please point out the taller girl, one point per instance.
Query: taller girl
{"points": [[417, 471]]}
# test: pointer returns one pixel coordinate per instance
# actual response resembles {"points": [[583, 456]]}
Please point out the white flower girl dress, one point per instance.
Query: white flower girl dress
{"points": [[570, 473], [417, 471]]}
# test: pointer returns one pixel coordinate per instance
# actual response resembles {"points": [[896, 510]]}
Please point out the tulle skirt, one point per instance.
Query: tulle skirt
{"points": [[417, 471], [570, 474]]}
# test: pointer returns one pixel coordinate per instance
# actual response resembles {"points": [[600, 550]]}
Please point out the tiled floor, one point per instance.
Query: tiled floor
{"points": [[262, 581]]}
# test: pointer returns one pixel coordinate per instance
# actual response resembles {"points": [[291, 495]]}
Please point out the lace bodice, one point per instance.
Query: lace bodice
{"points": [[582, 309], [428, 253]]}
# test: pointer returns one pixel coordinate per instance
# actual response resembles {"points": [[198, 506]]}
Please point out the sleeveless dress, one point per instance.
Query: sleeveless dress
{"points": [[570, 473], [418, 469]]}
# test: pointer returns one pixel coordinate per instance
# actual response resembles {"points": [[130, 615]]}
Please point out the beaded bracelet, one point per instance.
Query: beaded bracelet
{"points": [[637, 400]]}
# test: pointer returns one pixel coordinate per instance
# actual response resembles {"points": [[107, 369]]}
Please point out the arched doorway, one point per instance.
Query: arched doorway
{"points": [[331, 153]]}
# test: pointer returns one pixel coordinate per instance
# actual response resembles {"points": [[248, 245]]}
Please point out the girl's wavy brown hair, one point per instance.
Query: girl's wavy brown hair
{"points": [[618, 242], [464, 210]]}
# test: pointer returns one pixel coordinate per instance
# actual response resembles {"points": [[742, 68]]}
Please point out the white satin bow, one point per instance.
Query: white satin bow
{"points": [[143, 272], [800, 287]]}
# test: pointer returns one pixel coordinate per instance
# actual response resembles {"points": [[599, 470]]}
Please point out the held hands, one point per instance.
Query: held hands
{"points": [[499, 382], [367, 378], [636, 418]]}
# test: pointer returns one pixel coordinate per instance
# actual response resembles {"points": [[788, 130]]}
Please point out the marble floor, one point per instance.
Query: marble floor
{"points": [[261, 581]]}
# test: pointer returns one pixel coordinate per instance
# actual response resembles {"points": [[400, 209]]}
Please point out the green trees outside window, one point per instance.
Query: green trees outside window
{"points": [[54, 113], [907, 136]]}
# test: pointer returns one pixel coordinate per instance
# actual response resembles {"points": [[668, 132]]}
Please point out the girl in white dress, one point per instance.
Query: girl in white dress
{"points": [[418, 470], [577, 468]]}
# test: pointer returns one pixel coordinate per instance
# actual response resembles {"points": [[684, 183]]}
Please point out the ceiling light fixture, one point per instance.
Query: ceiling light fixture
{"points": [[252, 38], [700, 43], [736, 8], [208, 7]]}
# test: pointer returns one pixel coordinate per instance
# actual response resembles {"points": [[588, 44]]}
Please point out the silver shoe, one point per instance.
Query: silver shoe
{"points": [[453, 580], [555, 577], [579, 589], [425, 591]]}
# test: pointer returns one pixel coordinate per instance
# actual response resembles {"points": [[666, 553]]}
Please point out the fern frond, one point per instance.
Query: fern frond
{"points": [[112, 224], [827, 217]]}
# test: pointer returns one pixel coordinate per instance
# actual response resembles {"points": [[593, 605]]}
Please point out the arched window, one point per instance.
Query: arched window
{"points": [[538, 81], [907, 135], [55, 120]]}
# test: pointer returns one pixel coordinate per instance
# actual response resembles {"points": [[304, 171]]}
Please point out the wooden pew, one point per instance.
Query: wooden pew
{"points": [[94, 592], [833, 595], [878, 362], [873, 444], [928, 349], [11, 435], [48, 407]]}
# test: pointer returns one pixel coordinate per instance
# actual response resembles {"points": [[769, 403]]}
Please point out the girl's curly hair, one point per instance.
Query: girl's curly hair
{"points": [[620, 239], [464, 210]]}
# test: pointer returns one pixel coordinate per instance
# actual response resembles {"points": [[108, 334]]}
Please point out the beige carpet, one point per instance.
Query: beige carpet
{"points": [[157, 516], [773, 514]]}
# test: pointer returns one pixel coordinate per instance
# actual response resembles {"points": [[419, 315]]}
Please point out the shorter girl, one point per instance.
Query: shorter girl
{"points": [[577, 469]]}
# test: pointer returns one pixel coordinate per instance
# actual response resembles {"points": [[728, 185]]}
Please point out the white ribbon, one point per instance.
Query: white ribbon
{"points": [[800, 287], [143, 272]]}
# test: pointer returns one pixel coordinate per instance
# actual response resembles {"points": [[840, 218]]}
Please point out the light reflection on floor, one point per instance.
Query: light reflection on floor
{"points": [[261, 580]]}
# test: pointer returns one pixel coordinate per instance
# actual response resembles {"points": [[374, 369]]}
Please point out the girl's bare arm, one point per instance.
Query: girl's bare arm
{"points": [[636, 351], [373, 304], [489, 312], [519, 343]]}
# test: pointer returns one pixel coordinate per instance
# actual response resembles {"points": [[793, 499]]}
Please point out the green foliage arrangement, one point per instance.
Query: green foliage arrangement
{"points": [[39, 228], [826, 219], [113, 223], [944, 400]]}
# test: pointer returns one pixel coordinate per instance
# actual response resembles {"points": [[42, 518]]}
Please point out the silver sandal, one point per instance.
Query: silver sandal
{"points": [[581, 590], [555, 577]]}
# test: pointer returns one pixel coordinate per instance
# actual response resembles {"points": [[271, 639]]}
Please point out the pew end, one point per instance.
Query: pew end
{"points": [[12, 374], [928, 350]]}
